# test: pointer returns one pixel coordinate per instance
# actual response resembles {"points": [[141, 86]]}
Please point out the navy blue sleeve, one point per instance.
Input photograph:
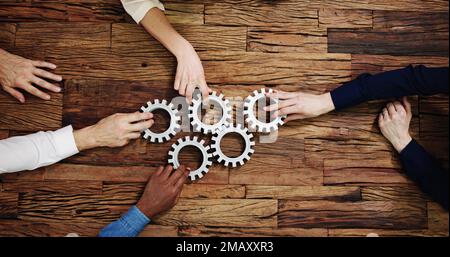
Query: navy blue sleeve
{"points": [[424, 170], [418, 80]]}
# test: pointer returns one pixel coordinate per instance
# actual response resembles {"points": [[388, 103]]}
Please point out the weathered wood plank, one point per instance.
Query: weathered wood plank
{"points": [[376, 214], [438, 219], [426, 6], [437, 105], [234, 67], [66, 187], [434, 135], [201, 37], [34, 115], [276, 170], [363, 41], [61, 11], [361, 173], [304, 193], [384, 233], [192, 191], [216, 175], [7, 34], [9, 204], [226, 212], [20, 228], [35, 175], [341, 18], [392, 193], [181, 13], [202, 231], [260, 14], [400, 21], [303, 39], [379, 63], [52, 34]]}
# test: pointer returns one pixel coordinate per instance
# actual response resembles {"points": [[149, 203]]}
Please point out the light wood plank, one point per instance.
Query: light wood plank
{"points": [[181, 13], [67, 187], [341, 18], [202, 231], [392, 193]]}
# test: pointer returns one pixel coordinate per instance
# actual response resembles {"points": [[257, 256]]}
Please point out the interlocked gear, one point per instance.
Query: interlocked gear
{"points": [[187, 141], [251, 118], [174, 126], [233, 161], [225, 120]]}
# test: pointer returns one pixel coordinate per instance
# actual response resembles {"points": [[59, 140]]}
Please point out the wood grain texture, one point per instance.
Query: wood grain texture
{"points": [[363, 41], [34, 115], [50, 34], [341, 18], [181, 13], [376, 214], [251, 232], [66, 187], [391, 193], [201, 37], [399, 21], [8, 204], [7, 34], [304, 39], [4, 134], [226, 212], [304, 193]]}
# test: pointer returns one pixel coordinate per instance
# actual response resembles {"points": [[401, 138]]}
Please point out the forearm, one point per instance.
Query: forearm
{"points": [[417, 80], [36, 150], [423, 169], [157, 25]]}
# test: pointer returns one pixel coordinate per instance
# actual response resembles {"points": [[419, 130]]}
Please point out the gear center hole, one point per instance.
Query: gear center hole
{"points": [[210, 114], [162, 121], [232, 145], [190, 156], [262, 115]]}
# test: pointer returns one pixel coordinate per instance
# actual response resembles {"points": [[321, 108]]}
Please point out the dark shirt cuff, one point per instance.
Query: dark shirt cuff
{"points": [[412, 150], [348, 94]]}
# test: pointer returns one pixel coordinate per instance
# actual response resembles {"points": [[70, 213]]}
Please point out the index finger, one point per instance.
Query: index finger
{"points": [[181, 180], [44, 64], [138, 116], [280, 105], [177, 174], [281, 94]]}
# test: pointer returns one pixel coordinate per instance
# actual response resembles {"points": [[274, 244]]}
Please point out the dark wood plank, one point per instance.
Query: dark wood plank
{"points": [[399, 21], [363, 41], [9, 204], [380, 63], [304, 193], [436, 105], [434, 135], [202, 231], [201, 37], [341, 18], [7, 34], [34, 115], [437, 219], [67, 187], [52, 34], [384, 233], [4, 134], [303, 39], [368, 214]]}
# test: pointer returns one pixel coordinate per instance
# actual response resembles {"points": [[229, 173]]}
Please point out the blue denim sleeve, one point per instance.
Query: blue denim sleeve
{"points": [[129, 225]]}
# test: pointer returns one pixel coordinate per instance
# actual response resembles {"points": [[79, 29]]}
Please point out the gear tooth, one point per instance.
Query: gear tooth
{"points": [[164, 102], [187, 138], [192, 177], [179, 141], [221, 96], [152, 139], [241, 162], [200, 175], [156, 101], [210, 155], [214, 93], [250, 135], [143, 109], [252, 143], [234, 165], [171, 106], [170, 161], [171, 153], [195, 139], [270, 90], [167, 137], [202, 142], [263, 90], [252, 151], [149, 103]]}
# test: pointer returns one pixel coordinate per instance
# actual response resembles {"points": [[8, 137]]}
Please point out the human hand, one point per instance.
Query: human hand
{"points": [[114, 131], [394, 123], [299, 105], [190, 74], [163, 190], [17, 72]]}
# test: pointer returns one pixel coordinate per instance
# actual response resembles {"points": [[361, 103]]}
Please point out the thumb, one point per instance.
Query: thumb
{"points": [[406, 104]]}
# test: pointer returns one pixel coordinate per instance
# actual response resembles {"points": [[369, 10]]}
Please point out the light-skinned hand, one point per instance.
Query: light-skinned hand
{"points": [[19, 73], [394, 123]]}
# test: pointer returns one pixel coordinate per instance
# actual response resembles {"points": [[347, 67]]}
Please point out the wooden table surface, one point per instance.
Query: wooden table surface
{"points": [[330, 176]]}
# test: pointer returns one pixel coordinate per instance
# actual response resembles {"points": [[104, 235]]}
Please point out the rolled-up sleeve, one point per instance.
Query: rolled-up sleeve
{"points": [[138, 8]]}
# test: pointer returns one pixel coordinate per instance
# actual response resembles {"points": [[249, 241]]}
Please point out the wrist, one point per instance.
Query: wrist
{"points": [[182, 49], [85, 138], [401, 142], [327, 103], [145, 210]]}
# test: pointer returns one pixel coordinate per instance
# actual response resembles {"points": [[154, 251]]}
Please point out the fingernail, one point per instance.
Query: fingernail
{"points": [[47, 97], [58, 89]]}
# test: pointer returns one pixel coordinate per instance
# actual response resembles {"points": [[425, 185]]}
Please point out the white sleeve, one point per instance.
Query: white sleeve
{"points": [[138, 8], [36, 150]]}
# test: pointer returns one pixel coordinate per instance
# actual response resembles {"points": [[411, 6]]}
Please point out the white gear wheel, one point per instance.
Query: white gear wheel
{"points": [[174, 121], [225, 120], [187, 141], [245, 155], [251, 118]]}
